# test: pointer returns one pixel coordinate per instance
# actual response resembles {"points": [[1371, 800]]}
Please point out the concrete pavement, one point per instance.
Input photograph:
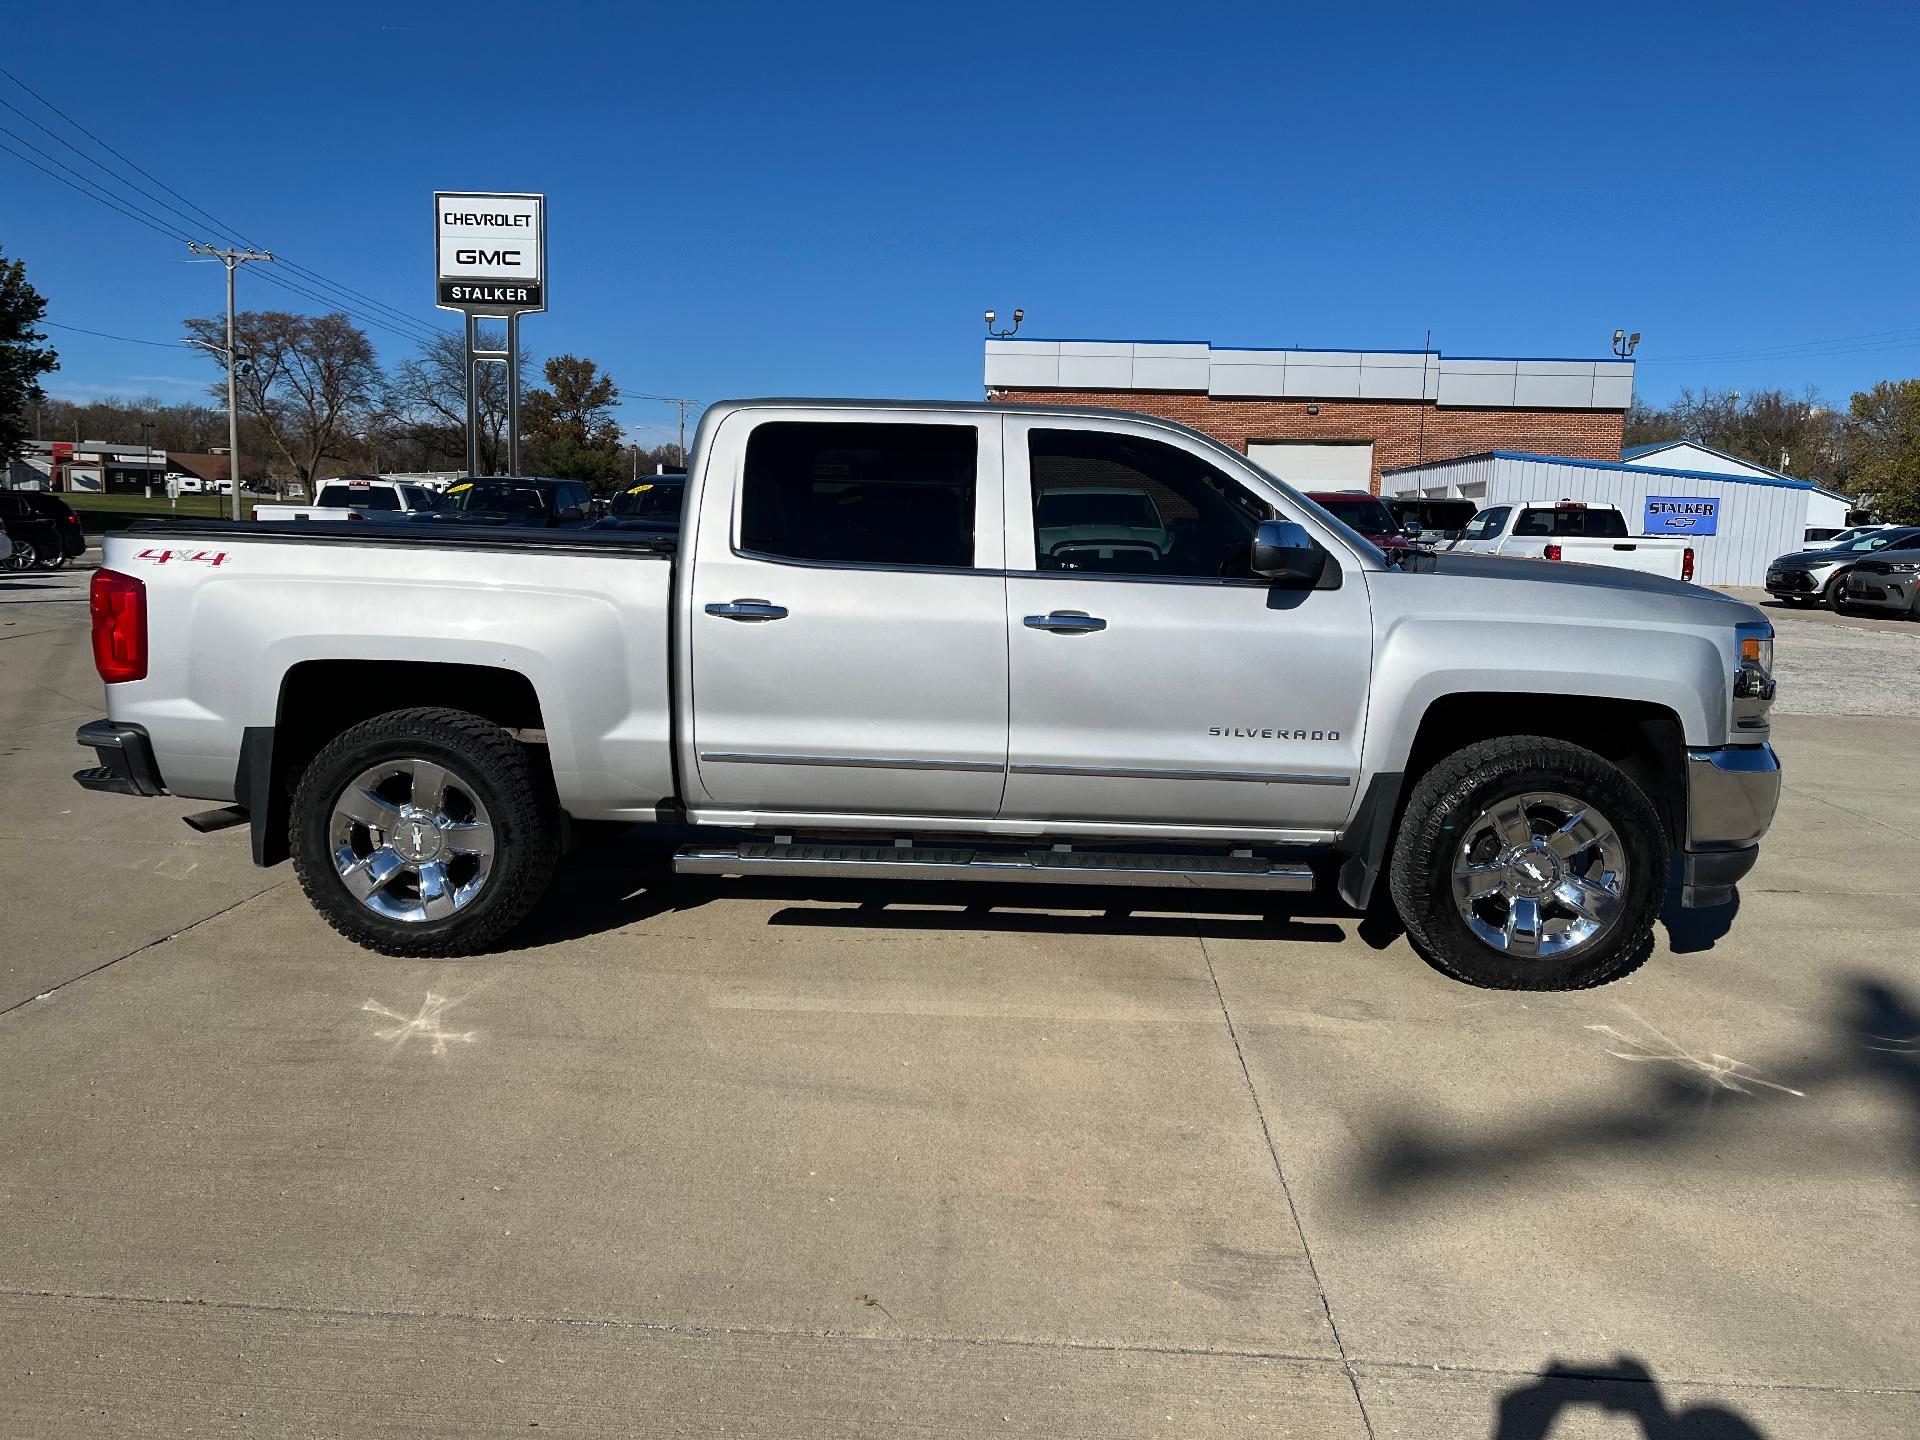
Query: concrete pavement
{"points": [[780, 1160]]}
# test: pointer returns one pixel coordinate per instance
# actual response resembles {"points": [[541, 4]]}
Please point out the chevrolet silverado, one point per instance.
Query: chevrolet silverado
{"points": [[951, 641]]}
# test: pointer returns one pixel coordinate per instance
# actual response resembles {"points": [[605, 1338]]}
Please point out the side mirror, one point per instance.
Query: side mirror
{"points": [[1284, 553], [1412, 529]]}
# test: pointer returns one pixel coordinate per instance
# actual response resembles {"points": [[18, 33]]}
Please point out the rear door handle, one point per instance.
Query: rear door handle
{"points": [[747, 610], [1066, 622]]}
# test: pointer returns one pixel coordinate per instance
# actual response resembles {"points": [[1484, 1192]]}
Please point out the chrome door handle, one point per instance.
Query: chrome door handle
{"points": [[1066, 622], [748, 610]]}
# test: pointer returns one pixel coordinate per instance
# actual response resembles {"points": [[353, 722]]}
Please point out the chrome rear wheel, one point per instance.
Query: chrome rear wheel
{"points": [[411, 840]]}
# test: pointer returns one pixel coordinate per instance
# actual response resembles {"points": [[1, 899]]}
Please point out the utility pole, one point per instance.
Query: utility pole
{"points": [[670, 400], [233, 260], [146, 439]]}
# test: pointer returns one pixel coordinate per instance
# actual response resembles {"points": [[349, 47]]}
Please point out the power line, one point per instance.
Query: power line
{"points": [[163, 344], [313, 276], [138, 218]]}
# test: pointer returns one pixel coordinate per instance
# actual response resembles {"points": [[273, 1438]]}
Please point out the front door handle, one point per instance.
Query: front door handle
{"points": [[1066, 622], [750, 610]]}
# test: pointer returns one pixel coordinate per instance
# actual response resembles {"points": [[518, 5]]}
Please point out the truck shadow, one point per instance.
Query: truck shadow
{"points": [[1626, 1388], [622, 879], [1685, 1099]]}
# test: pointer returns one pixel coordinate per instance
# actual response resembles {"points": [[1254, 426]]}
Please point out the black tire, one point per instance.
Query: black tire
{"points": [[482, 758], [56, 560], [1448, 800], [1836, 596]]}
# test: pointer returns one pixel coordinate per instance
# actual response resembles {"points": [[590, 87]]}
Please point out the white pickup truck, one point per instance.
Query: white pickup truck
{"points": [[356, 497], [872, 652], [1571, 530]]}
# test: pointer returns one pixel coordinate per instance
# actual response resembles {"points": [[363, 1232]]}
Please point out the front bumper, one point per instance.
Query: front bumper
{"points": [[1794, 584], [127, 766], [1882, 592], [1732, 792]]}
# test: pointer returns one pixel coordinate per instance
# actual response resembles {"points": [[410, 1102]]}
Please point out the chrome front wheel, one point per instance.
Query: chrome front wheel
{"points": [[1540, 874], [412, 841]]}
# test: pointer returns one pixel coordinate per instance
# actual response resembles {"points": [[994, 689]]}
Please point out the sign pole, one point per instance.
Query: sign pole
{"points": [[513, 393], [473, 401]]}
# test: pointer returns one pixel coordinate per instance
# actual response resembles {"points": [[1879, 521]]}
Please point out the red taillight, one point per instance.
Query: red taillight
{"points": [[1686, 564], [1554, 552], [119, 607]]}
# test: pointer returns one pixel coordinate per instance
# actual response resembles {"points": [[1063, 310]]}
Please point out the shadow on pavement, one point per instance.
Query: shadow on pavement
{"points": [[1686, 1096], [1691, 931], [1627, 1387], [619, 879]]}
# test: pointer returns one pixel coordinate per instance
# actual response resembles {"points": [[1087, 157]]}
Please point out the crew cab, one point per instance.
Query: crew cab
{"points": [[355, 497], [880, 647], [1573, 530]]}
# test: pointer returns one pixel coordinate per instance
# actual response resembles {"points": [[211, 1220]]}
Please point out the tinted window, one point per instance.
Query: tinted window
{"points": [[1369, 517], [1122, 505], [651, 499], [497, 497], [12, 505], [1909, 541], [372, 497], [860, 494], [417, 497]]}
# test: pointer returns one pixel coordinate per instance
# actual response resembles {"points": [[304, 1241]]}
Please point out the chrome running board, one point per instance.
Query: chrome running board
{"points": [[1033, 866]]}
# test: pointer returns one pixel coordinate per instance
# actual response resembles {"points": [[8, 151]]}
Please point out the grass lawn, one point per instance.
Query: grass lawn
{"points": [[101, 513]]}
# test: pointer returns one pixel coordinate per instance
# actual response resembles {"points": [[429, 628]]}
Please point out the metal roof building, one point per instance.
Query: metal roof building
{"points": [[1759, 516]]}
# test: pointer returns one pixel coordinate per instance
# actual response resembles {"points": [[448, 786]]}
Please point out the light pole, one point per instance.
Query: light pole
{"points": [[233, 260], [146, 440]]}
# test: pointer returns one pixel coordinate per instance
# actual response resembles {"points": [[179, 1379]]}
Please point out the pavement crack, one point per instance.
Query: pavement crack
{"points": [[140, 950], [1286, 1189]]}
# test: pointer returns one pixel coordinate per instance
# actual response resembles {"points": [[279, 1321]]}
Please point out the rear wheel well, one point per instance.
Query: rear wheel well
{"points": [[1643, 739], [320, 699]]}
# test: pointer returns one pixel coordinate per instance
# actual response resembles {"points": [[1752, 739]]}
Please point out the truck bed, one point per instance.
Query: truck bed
{"points": [[583, 615]]}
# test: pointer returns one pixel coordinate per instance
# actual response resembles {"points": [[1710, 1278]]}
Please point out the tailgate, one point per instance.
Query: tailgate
{"points": [[1650, 556]]}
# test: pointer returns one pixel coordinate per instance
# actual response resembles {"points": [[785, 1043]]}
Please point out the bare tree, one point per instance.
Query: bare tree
{"points": [[306, 378], [427, 397]]}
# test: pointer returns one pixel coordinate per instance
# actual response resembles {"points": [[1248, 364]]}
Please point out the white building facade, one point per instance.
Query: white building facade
{"points": [[1757, 517]]}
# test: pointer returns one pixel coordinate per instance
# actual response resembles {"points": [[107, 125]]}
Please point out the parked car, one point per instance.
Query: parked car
{"points": [[650, 504], [6, 546], [1812, 577], [1888, 581], [513, 500], [44, 528], [355, 497], [1821, 536], [859, 660], [1433, 522], [1573, 530], [1364, 513]]}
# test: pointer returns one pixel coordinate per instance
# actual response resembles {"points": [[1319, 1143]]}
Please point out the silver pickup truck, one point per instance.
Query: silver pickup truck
{"points": [[871, 651]]}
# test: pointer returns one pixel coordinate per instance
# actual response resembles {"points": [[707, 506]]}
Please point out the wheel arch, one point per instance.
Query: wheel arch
{"points": [[320, 698], [1645, 739]]}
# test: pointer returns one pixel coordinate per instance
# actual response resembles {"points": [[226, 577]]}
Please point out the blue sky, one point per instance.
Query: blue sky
{"points": [[821, 200]]}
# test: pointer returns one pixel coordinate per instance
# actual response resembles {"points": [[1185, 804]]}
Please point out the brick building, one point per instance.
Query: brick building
{"points": [[1332, 419]]}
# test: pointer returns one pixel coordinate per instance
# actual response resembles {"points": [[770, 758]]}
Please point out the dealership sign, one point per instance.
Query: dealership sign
{"points": [[1681, 515], [492, 252]]}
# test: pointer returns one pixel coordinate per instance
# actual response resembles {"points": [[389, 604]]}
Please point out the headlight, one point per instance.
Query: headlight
{"points": [[1756, 646], [1903, 567]]}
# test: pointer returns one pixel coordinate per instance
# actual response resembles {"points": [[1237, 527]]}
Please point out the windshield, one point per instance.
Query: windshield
{"points": [[651, 498], [1369, 517], [496, 497]]}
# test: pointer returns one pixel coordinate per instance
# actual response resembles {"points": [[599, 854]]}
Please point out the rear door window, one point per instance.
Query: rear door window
{"points": [[860, 493]]}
